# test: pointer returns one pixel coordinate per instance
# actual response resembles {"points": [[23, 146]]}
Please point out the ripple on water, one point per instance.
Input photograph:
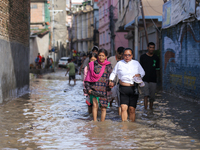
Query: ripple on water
{"points": [[54, 116]]}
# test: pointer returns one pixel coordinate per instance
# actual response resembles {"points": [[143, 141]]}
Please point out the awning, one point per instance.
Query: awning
{"points": [[159, 18]]}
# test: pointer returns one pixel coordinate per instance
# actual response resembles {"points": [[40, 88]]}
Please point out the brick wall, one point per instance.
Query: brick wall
{"points": [[14, 20], [14, 48], [181, 59]]}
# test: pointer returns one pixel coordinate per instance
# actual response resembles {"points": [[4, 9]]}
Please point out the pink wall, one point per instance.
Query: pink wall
{"points": [[104, 36]]}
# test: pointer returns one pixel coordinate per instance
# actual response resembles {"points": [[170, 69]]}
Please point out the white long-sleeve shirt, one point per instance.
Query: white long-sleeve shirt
{"points": [[126, 71]]}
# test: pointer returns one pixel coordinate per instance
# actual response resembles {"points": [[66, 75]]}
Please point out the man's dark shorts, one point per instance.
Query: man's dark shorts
{"points": [[72, 77]]}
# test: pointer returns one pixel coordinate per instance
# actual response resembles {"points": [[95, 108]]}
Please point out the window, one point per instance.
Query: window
{"points": [[130, 5], [104, 38], [119, 5], [107, 36], [34, 6]]}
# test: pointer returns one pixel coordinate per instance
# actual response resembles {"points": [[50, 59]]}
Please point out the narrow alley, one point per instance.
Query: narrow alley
{"points": [[54, 116]]}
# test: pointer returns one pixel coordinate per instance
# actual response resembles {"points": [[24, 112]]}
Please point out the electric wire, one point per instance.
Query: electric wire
{"points": [[153, 8], [153, 21]]}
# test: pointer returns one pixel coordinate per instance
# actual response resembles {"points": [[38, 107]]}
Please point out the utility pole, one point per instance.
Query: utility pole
{"points": [[144, 22], [112, 27], [71, 46], [136, 30]]}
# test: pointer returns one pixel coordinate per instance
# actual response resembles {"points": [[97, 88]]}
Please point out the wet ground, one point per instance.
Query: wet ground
{"points": [[49, 118]]}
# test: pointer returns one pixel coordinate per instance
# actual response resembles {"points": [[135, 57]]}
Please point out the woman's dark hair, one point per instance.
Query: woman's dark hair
{"points": [[120, 50], [91, 54], [103, 51], [128, 49], [95, 48]]}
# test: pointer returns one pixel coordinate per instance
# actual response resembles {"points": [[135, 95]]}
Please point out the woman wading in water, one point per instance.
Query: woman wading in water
{"points": [[97, 83], [92, 57], [126, 70]]}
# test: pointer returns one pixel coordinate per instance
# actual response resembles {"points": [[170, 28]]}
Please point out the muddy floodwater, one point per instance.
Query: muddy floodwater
{"points": [[53, 115]]}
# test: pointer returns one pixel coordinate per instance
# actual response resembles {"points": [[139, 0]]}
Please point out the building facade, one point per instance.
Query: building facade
{"points": [[40, 36], [105, 11], [181, 50], [14, 48], [83, 28], [129, 11], [40, 15]]}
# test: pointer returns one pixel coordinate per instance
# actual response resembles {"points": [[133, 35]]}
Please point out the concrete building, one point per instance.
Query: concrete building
{"points": [[58, 28], [40, 27], [181, 50], [73, 5], [83, 28], [40, 15], [96, 22], [14, 48], [128, 12], [104, 24]]}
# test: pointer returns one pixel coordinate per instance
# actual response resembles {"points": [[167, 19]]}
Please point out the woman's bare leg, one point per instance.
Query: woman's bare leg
{"points": [[103, 113], [94, 109], [124, 114], [131, 113]]}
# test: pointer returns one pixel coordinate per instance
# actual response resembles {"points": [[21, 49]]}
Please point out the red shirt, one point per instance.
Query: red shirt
{"points": [[40, 59]]}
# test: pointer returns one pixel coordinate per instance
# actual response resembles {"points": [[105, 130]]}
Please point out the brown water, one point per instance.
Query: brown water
{"points": [[49, 118]]}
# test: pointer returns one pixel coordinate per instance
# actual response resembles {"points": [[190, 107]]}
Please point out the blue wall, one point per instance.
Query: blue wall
{"points": [[181, 59]]}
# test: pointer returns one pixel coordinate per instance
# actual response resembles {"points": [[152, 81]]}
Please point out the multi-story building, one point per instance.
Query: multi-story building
{"points": [[106, 8], [83, 28], [40, 29], [96, 22], [130, 10], [58, 28], [40, 15], [14, 48]]}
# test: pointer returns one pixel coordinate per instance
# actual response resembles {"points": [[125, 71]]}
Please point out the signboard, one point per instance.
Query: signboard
{"points": [[166, 15], [198, 12], [175, 11]]}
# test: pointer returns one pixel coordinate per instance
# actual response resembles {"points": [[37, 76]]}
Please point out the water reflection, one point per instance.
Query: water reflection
{"points": [[54, 116]]}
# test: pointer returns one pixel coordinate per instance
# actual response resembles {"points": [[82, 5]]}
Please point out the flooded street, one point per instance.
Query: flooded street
{"points": [[54, 116]]}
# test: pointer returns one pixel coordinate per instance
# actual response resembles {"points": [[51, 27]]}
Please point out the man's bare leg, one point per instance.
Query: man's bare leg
{"points": [[103, 113], [145, 102], [95, 109], [132, 113], [74, 81], [124, 114]]}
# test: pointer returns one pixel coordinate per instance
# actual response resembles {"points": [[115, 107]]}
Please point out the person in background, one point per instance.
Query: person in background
{"points": [[97, 85], [150, 63], [126, 70], [115, 90], [37, 62], [92, 57], [43, 62], [40, 61], [48, 62], [86, 61], [71, 69], [51, 63], [81, 71]]}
